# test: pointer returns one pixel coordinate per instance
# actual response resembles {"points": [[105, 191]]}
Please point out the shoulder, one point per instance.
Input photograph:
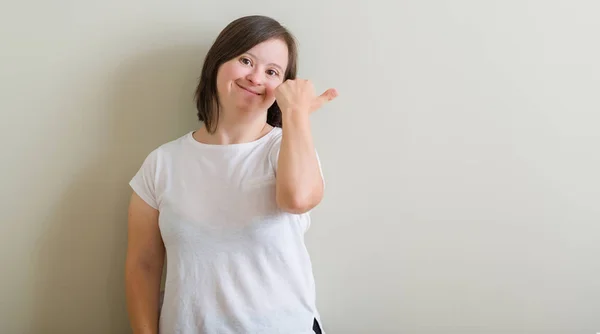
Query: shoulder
{"points": [[167, 150], [176, 144], [275, 135], [274, 143], [274, 138]]}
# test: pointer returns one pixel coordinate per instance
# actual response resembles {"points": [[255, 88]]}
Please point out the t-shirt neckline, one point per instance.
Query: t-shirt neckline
{"points": [[190, 138]]}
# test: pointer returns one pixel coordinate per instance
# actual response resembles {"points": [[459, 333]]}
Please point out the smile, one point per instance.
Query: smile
{"points": [[248, 90]]}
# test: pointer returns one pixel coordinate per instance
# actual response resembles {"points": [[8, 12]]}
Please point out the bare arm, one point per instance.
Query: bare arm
{"points": [[143, 266], [299, 185]]}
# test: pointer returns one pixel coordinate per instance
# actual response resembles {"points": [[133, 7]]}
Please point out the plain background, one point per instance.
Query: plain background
{"points": [[461, 157]]}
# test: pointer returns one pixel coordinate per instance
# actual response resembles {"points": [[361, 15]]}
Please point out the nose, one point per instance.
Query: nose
{"points": [[255, 77]]}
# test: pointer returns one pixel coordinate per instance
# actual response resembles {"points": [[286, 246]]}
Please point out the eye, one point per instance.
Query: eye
{"points": [[245, 61], [272, 73]]}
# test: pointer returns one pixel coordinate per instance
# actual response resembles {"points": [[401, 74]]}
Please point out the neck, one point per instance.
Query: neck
{"points": [[230, 131]]}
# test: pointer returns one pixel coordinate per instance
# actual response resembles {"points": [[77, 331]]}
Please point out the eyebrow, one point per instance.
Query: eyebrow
{"points": [[271, 64]]}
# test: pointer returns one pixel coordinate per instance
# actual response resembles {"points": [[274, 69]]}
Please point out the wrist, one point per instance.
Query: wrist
{"points": [[295, 114], [296, 120], [295, 108]]}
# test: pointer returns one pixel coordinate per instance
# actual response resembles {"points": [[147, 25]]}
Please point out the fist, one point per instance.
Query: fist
{"points": [[299, 96]]}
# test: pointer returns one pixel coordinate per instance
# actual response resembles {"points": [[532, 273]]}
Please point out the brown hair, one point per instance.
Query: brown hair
{"points": [[236, 38]]}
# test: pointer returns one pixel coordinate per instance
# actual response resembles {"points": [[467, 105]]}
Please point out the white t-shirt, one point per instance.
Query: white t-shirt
{"points": [[236, 263]]}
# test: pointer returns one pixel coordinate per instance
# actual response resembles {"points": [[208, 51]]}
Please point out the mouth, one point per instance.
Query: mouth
{"points": [[248, 90]]}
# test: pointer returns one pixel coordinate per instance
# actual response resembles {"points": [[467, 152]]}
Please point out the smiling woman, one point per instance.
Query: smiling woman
{"points": [[255, 73], [229, 203], [266, 52]]}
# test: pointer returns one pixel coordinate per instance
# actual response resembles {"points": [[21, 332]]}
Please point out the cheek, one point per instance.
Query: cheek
{"points": [[222, 76], [227, 72]]}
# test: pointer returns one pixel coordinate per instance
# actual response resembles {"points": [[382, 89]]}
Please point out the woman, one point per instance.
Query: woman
{"points": [[229, 203]]}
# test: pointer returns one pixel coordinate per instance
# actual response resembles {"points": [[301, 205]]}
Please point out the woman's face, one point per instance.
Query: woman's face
{"points": [[247, 82]]}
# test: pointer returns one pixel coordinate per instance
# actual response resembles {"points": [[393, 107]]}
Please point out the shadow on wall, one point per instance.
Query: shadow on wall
{"points": [[79, 261]]}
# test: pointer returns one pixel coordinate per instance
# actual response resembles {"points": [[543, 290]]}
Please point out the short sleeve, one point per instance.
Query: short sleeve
{"points": [[144, 181]]}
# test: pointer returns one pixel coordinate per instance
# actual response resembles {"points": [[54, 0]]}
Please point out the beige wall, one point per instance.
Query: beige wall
{"points": [[461, 157]]}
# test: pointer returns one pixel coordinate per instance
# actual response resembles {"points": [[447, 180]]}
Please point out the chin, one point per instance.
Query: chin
{"points": [[250, 109]]}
